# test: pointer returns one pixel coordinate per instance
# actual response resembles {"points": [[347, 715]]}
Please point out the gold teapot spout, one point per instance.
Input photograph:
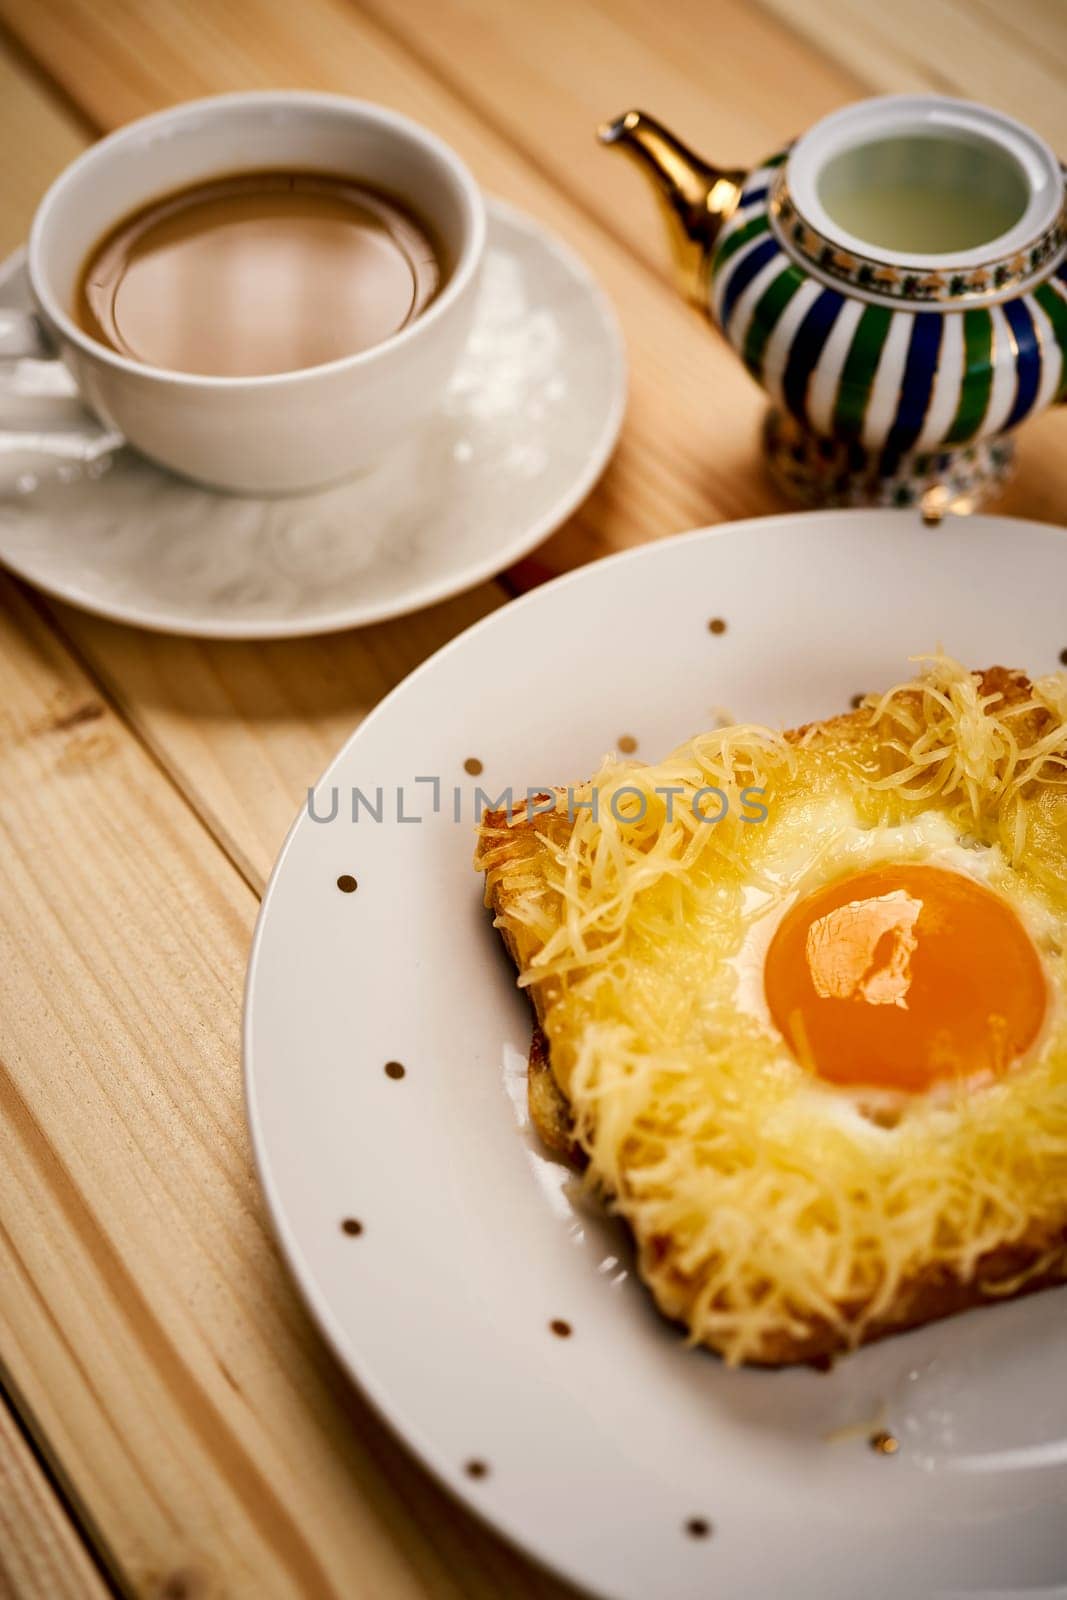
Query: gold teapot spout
{"points": [[697, 198]]}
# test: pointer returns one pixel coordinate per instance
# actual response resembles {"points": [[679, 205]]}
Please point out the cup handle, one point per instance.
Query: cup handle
{"points": [[22, 336], [46, 431]]}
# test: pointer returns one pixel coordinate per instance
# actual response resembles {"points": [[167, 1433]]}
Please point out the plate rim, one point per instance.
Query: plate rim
{"points": [[459, 580], [409, 1433]]}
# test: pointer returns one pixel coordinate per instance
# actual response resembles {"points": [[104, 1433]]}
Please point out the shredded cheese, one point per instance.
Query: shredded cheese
{"points": [[760, 1217]]}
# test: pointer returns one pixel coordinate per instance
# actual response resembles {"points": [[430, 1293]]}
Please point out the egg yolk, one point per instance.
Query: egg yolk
{"points": [[902, 976]]}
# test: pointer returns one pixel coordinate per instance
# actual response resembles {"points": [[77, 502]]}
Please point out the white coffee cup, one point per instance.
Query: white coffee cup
{"points": [[294, 430]]}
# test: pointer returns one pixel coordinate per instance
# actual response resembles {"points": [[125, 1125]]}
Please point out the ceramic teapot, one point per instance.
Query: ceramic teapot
{"points": [[896, 281]]}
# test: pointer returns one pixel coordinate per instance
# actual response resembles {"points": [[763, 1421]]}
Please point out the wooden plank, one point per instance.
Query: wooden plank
{"points": [[950, 46], [144, 1313], [1034, 27], [28, 164], [40, 1551]]}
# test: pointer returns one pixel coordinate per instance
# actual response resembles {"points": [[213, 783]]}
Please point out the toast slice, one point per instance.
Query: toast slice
{"points": [[520, 857]]}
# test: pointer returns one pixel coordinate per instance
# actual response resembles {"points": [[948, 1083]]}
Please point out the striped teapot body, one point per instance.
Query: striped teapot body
{"points": [[894, 367]]}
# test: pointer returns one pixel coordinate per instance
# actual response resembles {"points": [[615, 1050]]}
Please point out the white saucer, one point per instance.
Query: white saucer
{"points": [[523, 434]]}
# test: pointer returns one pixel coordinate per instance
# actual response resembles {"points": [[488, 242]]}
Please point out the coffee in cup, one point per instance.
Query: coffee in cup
{"points": [[258, 273]]}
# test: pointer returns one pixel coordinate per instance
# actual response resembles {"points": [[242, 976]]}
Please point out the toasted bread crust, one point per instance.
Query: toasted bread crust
{"points": [[928, 1296], [508, 849], [550, 1110]]}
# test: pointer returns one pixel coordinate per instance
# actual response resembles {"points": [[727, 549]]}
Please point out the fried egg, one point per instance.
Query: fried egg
{"points": [[904, 959], [817, 1061]]}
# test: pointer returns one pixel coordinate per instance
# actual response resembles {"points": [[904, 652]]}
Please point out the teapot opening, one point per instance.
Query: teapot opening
{"points": [[924, 182], [925, 194]]}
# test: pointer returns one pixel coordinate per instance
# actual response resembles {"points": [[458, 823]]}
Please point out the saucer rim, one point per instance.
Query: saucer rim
{"points": [[459, 580]]}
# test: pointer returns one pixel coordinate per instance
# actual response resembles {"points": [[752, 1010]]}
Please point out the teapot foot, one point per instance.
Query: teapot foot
{"points": [[819, 471]]}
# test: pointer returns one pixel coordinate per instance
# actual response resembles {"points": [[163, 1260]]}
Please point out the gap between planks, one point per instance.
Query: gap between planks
{"points": [[89, 1570]]}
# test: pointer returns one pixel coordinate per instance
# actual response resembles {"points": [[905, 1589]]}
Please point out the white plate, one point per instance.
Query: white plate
{"points": [[601, 1447], [523, 434]]}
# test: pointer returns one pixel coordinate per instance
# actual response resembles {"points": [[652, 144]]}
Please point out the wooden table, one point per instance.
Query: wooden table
{"points": [[170, 1424]]}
